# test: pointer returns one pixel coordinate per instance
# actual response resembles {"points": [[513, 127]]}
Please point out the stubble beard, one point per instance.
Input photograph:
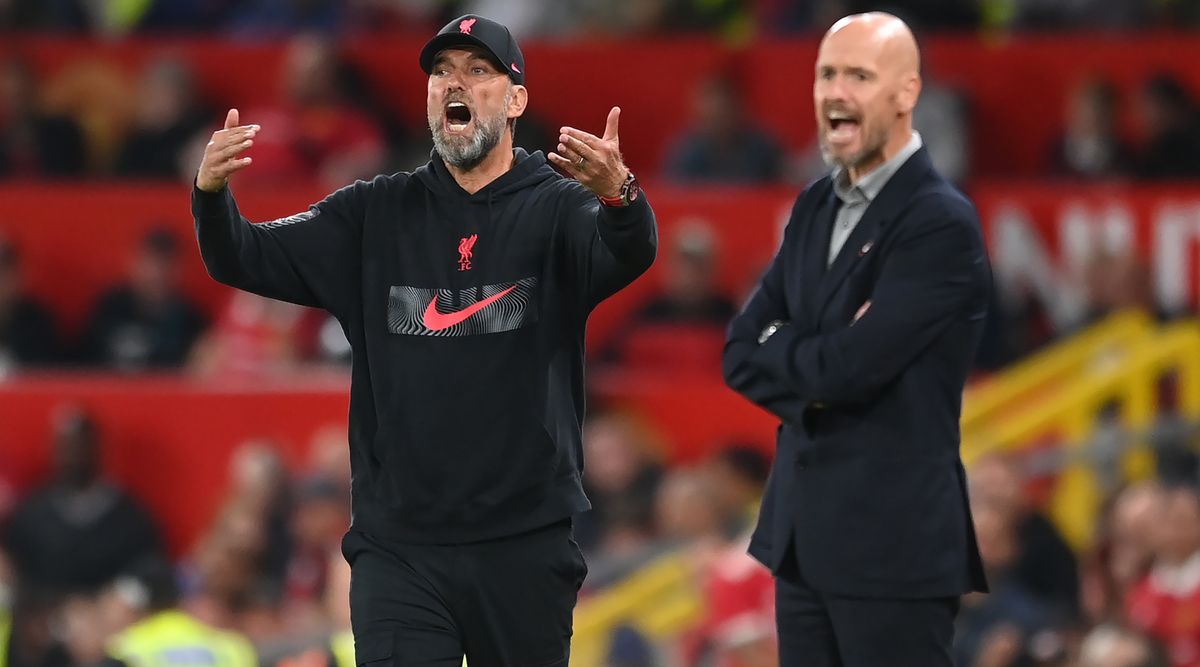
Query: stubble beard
{"points": [[466, 153]]}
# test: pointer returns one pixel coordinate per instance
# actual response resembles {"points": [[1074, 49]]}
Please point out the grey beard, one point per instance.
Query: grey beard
{"points": [[468, 155], [866, 154]]}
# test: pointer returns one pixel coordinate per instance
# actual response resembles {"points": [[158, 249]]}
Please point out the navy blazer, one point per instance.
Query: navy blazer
{"points": [[867, 483]]}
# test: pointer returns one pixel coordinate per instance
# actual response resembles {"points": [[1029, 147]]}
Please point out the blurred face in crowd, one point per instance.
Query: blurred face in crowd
{"points": [[16, 90], [997, 538], [996, 481], [76, 451], [1090, 111], [1178, 528], [691, 276], [154, 274], [717, 110], [310, 72], [866, 87], [612, 454], [166, 91], [469, 104], [1135, 518], [686, 506], [1108, 646]]}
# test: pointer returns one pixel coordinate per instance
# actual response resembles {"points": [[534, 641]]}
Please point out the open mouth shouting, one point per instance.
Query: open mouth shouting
{"points": [[843, 127], [457, 117]]}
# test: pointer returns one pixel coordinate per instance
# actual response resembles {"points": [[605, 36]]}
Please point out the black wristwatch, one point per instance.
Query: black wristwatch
{"points": [[770, 330], [631, 189]]}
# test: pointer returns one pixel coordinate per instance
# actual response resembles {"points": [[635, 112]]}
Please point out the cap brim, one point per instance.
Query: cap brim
{"points": [[442, 42]]}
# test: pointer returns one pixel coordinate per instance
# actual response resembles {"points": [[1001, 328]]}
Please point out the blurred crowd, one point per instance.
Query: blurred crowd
{"points": [[85, 569], [325, 124], [85, 574], [736, 19]]}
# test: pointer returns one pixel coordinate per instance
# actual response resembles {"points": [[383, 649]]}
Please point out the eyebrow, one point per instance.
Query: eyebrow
{"points": [[475, 56], [848, 70]]}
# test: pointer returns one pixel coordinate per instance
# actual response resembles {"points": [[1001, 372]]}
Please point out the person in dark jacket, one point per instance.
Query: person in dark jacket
{"points": [[463, 288], [860, 339]]}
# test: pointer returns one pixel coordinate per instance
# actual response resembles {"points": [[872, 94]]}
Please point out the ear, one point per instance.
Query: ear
{"points": [[518, 102], [910, 91]]}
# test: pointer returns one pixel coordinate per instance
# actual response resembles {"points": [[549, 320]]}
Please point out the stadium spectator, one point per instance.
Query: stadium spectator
{"points": [[722, 144], [33, 142], [994, 630], [170, 113], [1170, 128], [160, 631], [1123, 553], [1089, 145], [313, 132], [79, 530], [146, 323], [738, 474], [687, 309], [622, 480], [1166, 602], [253, 337], [28, 336], [1116, 646], [1043, 564], [318, 521]]}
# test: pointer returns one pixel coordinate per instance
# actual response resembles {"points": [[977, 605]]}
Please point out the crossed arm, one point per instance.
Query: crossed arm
{"points": [[935, 274]]}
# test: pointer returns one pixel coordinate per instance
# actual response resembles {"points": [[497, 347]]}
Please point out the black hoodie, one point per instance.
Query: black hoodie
{"points": [[466, 316]]}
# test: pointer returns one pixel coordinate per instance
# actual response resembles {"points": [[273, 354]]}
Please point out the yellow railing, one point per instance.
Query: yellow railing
{"points": [[660, 600], [1043, 371], [1130, 378], [1056, 394]]}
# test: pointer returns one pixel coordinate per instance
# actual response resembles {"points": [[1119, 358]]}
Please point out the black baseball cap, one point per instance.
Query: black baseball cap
{"points": [[478, 31]]}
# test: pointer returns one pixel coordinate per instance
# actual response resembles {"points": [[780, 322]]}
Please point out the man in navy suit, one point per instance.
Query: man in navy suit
{"points": [[859, 339]]}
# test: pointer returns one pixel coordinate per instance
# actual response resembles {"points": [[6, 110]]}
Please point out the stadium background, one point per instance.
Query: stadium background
{"points": [[1073, 126]]}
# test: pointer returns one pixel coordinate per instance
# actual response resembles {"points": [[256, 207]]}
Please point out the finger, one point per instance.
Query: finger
{"points": [[236, 133], [564, 163], [231, 167], [233, 150], [590, 140], [577, 147], [231, 119], [610, 128]]}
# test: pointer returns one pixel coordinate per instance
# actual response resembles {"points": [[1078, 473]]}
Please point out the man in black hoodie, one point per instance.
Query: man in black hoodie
{"points": [[464, 288]]}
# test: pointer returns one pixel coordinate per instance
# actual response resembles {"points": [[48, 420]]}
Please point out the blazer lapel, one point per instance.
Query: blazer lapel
{"points": [[883, 208], [816, 252]]}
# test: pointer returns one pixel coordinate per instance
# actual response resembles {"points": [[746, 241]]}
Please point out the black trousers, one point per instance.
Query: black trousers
{"points": [[502, 603], [820, 630]]}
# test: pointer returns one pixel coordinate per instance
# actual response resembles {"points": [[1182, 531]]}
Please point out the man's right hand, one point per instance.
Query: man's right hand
{"points": [[221, 154]]}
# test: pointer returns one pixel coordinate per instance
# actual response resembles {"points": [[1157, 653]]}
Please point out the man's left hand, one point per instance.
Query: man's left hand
{"points": [[593, 161]]}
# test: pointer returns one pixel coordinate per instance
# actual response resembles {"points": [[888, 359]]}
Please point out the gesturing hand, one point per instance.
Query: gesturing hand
{"points": [[221, 154], [593, 161]]}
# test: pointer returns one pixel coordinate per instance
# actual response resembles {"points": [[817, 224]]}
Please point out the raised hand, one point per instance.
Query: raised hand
{"points": [[593, 161], [221, 154]]}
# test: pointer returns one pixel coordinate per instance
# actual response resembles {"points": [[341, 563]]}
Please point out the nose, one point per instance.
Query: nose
{"points": [[454, 81], [834, 89]]}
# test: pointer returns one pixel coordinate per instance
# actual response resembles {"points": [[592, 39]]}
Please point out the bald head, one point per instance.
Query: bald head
{"points": [[884, 34], [867, 84]]}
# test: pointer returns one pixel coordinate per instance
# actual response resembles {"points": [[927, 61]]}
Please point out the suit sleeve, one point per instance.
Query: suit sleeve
{"points": [[608, 247], [766, 304], [310, 258], [935, 275]]}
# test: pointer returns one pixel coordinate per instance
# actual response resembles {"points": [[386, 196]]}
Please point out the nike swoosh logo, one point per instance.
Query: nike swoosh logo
{"points": [[435, 321]]}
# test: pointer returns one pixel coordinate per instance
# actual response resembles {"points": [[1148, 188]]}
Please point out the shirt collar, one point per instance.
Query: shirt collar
{"points": [[868, 187]]}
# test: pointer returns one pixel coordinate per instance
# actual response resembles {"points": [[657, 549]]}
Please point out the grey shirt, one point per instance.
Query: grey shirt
{"points": [[857, 197]]}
